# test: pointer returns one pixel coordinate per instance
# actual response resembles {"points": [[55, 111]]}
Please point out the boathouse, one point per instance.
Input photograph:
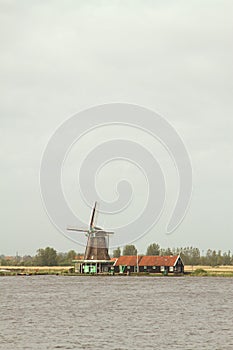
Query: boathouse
{"points": [[149, 264], [161, 264]]}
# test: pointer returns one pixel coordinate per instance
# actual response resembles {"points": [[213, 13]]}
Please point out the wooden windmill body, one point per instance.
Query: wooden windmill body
{"points": [[97, 241]]}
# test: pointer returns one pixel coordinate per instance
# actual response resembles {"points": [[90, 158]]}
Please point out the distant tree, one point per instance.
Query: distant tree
{"points": [[166, 251], [3, 261], [209, 254], [27, 260], [219, 258], [46, 257], [117, 252], [153, 249], [130, 249], [61, 259], [71, 256], [214, 258], [176, 251], [65, 259], [190, 255], [195, 256], [226, 259]]}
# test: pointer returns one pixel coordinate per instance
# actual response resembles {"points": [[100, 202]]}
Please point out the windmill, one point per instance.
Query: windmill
{"points": [[97, 240]]}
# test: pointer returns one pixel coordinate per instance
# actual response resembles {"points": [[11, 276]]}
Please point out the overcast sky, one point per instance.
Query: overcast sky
{"points": [[60, 57]]}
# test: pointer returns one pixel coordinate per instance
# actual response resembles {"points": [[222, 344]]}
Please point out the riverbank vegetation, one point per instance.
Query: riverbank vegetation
{"points": [[190, 255]]}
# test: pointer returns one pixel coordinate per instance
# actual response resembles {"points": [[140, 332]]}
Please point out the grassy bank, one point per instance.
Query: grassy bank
{"points": [[35, 270], [213, 271]]}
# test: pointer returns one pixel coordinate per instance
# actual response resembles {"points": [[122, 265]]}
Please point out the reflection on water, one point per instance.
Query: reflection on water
{"points": [[87, 312]]}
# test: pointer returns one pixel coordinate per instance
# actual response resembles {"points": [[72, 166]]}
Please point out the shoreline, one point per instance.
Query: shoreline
{"points": [[190, 271]]}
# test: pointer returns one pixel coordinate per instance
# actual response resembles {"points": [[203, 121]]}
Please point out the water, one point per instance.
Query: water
{"points": [[113, 313]]}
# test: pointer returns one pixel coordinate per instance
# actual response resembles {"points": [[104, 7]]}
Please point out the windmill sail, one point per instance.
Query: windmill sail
{"points": [[93, 217]]}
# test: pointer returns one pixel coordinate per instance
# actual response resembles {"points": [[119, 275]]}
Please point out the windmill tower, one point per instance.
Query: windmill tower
{"points": [[97, 240]]}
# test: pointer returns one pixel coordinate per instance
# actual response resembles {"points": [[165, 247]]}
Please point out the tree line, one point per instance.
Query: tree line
{"points": [[190, 255], [44, 257], [50, 257]]}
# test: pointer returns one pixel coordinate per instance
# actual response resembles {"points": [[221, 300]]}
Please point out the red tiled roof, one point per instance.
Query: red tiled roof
{"points": [[9, 257], [79, 257], [129, 260], [113, 259], [158, 260]]}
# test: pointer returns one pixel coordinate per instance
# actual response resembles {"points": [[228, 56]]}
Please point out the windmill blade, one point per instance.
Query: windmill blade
{"points": [[93, 216], [76, 229], [97, 228]]}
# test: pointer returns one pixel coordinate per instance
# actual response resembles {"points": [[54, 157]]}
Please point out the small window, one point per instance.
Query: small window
{"points": [[145, 267], [154, 267]]}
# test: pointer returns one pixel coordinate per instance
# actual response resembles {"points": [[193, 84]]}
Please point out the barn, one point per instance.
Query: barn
{"points": [[149, 264], [161, 264]]}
